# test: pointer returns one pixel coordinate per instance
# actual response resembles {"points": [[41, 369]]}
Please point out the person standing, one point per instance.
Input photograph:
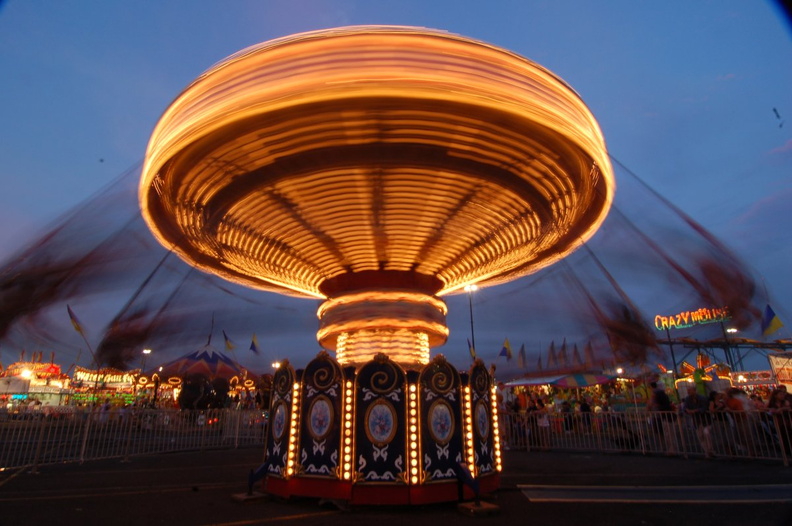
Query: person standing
{"points": [[543, 424], [739, 406], [665, 417], [780, 408], [697, 406], [585, 415]]}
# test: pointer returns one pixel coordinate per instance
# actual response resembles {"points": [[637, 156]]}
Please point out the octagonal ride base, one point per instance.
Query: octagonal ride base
{"points": [[382, 435]]}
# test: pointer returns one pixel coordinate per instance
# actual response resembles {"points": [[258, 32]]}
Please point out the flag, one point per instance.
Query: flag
{"points": [[576, 361], [561, 357], [229, 345], [506, 350], [770, 322], [521, 357], [472, 350], [552, 361], [254, 345], [588, 352], [75, 322]]}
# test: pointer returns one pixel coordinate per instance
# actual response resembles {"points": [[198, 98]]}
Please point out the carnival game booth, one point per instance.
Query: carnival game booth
{"points": [[575, 381], [106, 383], [760, 383]]}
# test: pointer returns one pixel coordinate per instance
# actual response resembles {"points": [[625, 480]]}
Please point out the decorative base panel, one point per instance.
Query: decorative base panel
{"points": [[382, 435]]}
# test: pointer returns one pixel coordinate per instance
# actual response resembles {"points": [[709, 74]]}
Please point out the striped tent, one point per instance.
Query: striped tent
{"points": [[581, 380], [206, 361]]}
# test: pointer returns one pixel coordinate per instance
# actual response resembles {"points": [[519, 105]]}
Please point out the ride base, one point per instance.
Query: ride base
{"points": [[382, 435]]}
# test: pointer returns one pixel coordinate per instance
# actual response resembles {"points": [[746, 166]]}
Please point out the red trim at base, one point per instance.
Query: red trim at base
{"points": [[376, 494]]}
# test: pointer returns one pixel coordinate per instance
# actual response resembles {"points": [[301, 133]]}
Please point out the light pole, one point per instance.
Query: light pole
{"points": [[470, 289], [146, 352], [732, 330]]}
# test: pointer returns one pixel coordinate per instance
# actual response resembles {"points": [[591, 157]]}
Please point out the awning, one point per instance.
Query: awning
{"points": [[582, 380], [566, 381], [543, 380]]}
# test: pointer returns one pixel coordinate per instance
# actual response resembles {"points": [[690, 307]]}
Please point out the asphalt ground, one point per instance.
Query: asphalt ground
{"points": [[591, 489]]}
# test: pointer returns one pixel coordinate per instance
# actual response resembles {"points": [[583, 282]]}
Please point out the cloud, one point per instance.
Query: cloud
{"points": [[763, 224], [784, 148], [726, 77]]}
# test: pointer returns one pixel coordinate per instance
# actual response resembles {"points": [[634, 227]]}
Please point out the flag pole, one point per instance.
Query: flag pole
{"points": [[78, 327]]}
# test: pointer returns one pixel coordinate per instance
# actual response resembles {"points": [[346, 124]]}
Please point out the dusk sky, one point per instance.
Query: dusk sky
{"points": [[695, 98]]}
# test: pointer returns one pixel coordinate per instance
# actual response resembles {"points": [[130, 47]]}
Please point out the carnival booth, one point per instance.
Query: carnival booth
{"points": [[559, 387], [97, 385], [26, 381]]}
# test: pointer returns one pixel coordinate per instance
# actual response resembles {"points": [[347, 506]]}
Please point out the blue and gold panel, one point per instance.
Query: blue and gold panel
{"points": [[442, 446], [481, 406], [380, 414], [280, 419], [321, 415]]}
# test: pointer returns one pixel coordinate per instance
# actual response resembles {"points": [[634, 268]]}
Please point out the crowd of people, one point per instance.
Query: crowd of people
{"points": [[724, 422], [733, 422]]}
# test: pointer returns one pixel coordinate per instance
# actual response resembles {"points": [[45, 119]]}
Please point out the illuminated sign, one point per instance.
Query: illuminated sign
{"points": [[690, 318], [110, 377]]}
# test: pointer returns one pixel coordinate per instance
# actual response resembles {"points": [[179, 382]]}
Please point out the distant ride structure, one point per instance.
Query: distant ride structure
{"points": [[377, 168]]}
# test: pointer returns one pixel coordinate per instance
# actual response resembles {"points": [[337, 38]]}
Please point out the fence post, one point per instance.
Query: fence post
{"points": [[88, 418], [642, 431], [780, 436], [236, 431], [203, 428], [597, 425], [681, 426], [34, 470], [128, 419]]}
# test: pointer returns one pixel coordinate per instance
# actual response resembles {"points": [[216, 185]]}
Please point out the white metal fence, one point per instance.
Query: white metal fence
{"points": [[745, 435], [67, 434]]}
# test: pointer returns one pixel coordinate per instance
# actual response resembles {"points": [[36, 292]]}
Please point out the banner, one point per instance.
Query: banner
{"points": [[781, 364]]}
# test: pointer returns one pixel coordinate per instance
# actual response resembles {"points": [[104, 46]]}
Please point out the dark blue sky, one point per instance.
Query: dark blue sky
{"points": [[684, 92]]}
